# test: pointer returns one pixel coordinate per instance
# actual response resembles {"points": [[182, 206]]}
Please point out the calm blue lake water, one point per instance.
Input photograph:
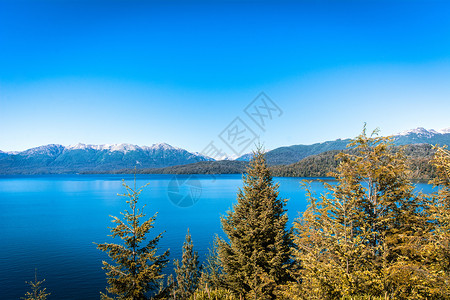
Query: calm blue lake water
{"points": [[51, 222]]}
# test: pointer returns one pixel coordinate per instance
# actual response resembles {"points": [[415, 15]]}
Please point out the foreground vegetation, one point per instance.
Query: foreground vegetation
{"points": [[368, 237]]}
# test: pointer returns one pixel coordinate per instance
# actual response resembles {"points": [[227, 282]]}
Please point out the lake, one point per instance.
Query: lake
{"points": [[49, 223]]}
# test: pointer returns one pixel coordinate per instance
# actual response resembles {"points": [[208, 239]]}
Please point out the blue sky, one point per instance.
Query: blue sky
{"points": [[143, 72]]}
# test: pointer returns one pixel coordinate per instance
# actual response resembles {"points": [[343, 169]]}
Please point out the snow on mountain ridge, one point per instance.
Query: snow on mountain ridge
{"points": [[124, 148], [121, 147], [424, 132], [78, 146], [163, 146], [444, 130], [418, 130], [109, 147], [50, 149]]}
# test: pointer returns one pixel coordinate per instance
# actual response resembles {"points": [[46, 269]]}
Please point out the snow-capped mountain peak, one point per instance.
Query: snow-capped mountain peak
{"points": [[122, 147], [78, 146], [51, 149], [418, 131], [109, 147], [444, 130], [163, 146], [11, 152], [86, 157]]}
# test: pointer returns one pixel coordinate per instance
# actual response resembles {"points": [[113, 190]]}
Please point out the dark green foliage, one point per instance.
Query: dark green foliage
{"points": [[188, 272], [137, 268], [37, 291], [257, 257]]}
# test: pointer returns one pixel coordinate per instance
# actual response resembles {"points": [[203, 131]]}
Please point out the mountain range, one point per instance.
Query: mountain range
{"points": [[55, 159], [295, 153], [164, 158]]}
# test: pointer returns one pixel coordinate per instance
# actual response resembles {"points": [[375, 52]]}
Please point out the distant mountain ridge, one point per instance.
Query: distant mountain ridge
{"points": [[77, 158], [421, 135], [295, 153], [424, 132], [82, 158], [319, 165], [121, 147]]}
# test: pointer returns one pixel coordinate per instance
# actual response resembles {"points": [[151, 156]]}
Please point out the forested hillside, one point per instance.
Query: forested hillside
{"points": [[418, 158]]}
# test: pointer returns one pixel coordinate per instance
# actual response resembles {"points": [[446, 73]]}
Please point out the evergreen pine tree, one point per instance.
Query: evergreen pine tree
{"points": [[257, 257], [188, 272], [37, 291], [137, 268]]}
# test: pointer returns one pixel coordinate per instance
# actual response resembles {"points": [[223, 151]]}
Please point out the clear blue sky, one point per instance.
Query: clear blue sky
{"points": [[143, 72]]}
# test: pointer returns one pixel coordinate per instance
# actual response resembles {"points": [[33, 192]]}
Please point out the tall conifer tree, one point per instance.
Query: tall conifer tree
{"points": [[137, 268], [256, 257], [188, 271]]}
